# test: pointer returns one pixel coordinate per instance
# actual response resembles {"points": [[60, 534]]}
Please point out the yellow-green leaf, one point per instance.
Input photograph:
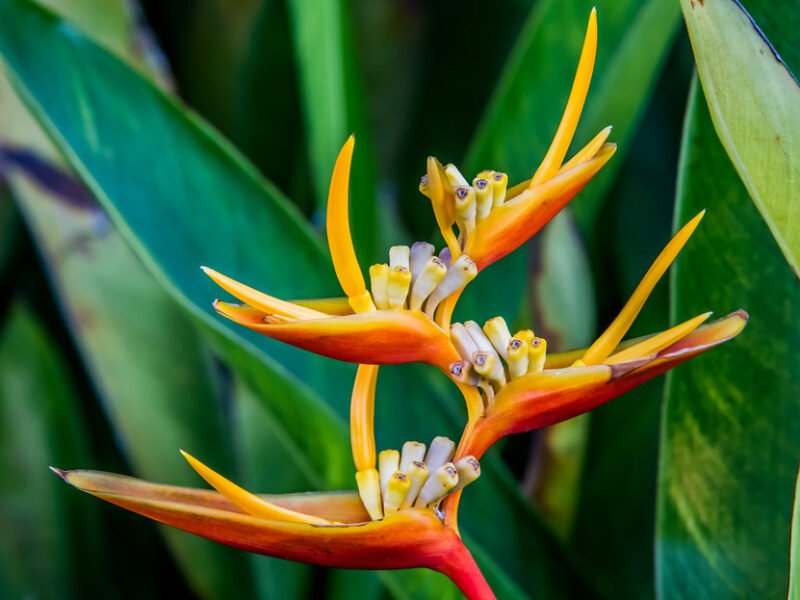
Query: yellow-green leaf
{"points": [[794, 563], [754, 102]]}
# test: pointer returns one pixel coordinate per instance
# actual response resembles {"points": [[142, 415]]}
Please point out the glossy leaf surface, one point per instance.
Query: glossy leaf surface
{"points": [[753, 98], [731, 433]]}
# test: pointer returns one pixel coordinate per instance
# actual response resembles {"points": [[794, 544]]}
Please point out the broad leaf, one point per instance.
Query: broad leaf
{"points": [[731, 429], [147, 369], [753, 99], [190, 202], [794, 559], [269, 125]]}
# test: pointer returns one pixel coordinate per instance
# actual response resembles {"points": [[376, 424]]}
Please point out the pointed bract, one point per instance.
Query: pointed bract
{"points": [[558, 394], [410, 538]]}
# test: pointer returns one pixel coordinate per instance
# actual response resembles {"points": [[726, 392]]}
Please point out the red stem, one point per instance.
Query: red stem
{"points": [[462, 569]]}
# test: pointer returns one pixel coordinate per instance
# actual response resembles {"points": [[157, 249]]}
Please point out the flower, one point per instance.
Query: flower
{"points": [[403, 526], [411, 538], [405, 512], [405, 315]]}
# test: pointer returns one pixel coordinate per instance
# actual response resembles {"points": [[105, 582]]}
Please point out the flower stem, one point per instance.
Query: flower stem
{"points": [[462, 569]]}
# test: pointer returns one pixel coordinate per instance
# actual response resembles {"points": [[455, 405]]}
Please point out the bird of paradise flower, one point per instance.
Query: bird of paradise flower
{"points": [[405, 513]]}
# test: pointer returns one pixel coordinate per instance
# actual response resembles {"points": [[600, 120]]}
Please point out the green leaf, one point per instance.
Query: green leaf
{"points": [[146, 370], [331, 97], [753, 99], [564, 313], [48, 536], [269, 127], [192, 201], [794, 559], [731, 428]]}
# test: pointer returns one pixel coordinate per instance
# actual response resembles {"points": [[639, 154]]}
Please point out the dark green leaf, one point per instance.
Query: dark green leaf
{"points": [[48, 536], [191, 202], [731, 432], [147, 370]]}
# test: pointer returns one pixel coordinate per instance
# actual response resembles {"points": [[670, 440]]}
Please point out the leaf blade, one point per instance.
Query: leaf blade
{"points": [[716, 454], [753, 98]]}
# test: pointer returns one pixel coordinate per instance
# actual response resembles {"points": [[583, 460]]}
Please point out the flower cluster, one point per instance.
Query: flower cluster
{"points": [[405, 511]]}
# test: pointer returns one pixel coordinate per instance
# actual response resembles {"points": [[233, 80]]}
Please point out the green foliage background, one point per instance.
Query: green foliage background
{"points": [[139, 140]]}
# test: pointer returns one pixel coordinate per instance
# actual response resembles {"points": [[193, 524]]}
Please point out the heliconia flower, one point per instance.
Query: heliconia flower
{"points": [[537, 390], [405, 512], [493, 220], [405, 314], [365, 333], [411, 538], [332, 529]]}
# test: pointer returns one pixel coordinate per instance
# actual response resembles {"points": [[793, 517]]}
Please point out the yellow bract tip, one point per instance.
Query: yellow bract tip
{"points": [[263, 302], [658, 342], [572, 113], [441, 201], [340, 241], [605, 344], [588, 151], [248, 502]]}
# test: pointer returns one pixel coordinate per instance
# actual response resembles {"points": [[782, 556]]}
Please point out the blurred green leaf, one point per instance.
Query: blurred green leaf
{"points": [[48, 536], [613, 528], [731, 432], [794, 559], [563, 309], [269, 127], [209, 45], [330, 87], [191, 202], [753, 99], [343, 584], [146, 370], [109, 24]]}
